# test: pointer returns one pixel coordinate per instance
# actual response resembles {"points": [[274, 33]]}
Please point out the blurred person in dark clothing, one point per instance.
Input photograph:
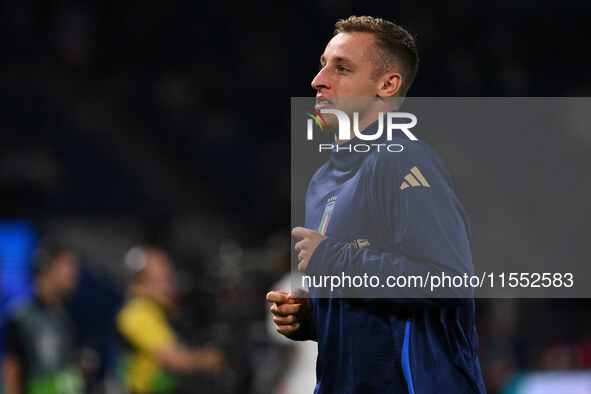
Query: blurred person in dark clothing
{"points": [[154, 350], [39, 356]]}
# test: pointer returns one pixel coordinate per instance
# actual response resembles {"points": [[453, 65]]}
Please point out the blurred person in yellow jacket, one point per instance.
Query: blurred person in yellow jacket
{"points": [[155, 353]]}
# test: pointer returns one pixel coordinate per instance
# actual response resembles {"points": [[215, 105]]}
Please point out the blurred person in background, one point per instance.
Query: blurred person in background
{"points": [[40, 346], [155, 352]]}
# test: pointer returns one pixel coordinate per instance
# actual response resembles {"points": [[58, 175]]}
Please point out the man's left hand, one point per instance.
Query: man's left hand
{"points": [[308, 241]]}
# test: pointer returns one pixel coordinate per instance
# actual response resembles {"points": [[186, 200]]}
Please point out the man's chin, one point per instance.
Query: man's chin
{"points": [[331, 122], [333, 127]]}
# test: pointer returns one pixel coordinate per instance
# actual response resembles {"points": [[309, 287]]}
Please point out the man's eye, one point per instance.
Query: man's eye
{"points": [[320, 66], [342, 69]]}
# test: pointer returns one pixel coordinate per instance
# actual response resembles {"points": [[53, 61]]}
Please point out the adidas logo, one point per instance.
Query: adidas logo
{"points": [[417, 180]]}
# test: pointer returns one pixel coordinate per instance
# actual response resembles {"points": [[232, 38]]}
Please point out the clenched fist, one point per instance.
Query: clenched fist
{"points": [[289, 311], [308, 242]]}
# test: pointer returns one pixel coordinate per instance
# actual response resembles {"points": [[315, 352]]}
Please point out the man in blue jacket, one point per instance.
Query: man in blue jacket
{"points": [[389, 214]]}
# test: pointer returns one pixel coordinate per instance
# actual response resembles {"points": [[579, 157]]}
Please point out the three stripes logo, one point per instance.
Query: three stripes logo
{"points": [[414, 178]]}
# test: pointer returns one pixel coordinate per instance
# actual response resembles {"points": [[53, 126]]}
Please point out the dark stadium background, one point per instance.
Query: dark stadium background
{"points": [[168, 122]]}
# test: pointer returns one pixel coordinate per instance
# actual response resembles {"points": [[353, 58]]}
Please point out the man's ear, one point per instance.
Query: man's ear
{"points": [[389, 84]]}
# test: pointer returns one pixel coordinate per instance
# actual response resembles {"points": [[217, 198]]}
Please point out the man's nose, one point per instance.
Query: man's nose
{"points": [[321, 80]]}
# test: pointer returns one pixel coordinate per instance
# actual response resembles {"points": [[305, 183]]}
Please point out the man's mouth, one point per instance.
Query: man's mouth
{"points": [[322, 102]]}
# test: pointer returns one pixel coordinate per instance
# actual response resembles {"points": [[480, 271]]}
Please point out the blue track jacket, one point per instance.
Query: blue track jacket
{"points": [[390, 214]]}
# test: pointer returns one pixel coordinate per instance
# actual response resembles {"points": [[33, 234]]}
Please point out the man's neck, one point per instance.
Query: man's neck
{"points": [[363, 124], [370, 117]]}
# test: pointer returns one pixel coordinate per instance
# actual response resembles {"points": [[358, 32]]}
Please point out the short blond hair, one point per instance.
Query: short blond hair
{"points": [[396, 48]]}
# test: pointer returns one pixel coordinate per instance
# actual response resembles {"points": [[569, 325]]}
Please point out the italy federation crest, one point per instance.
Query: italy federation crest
{"points": [[327, 214]]}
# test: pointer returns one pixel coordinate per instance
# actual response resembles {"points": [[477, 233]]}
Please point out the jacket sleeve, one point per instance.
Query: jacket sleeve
{"points": [[423, 233], [307, 330]]}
